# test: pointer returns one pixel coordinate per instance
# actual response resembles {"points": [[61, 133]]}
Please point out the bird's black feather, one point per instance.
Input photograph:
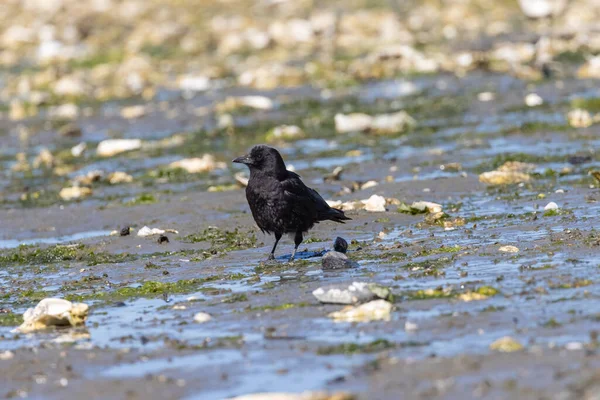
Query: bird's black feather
{"points": [[279, 201]]}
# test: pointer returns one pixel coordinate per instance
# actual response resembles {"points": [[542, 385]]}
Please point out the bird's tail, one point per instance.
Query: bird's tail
{"points": [[333, 214]]}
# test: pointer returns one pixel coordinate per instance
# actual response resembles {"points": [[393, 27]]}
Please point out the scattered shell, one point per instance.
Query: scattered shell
{"points": [[356, 122], [119, 177], [111, 147], [285, 132], [579, 118], [53, 312], [542, 8], [133, 112], [198, 165], [516, 166], [533, 100], [147, 231], [375, 203], [256, 102], [410, 326], [372, 311], [591, 69], [509, 249], [6, 355], [392, 123], [506, 344], [193, 83], [202, 317], [551, 206], [380, 124], [368, 185], [503, 177], [241, 179], [75, 192], [78, 150], [356, 292], [65, 111], [486, 96], [427, 206], [472, 296], [43, 159]]}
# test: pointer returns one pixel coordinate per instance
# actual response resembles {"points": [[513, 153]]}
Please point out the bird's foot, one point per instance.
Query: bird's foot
{"points": [[271, 257]]}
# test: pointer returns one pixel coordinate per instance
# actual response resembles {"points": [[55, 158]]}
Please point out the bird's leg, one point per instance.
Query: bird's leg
{"points": [[297, 240], [272, 254]]}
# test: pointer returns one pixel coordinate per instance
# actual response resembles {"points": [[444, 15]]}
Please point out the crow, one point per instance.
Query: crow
{"points": [[280, 202]]}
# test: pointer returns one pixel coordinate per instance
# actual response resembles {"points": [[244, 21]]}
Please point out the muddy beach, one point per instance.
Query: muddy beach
{"points": [[494, 283]]}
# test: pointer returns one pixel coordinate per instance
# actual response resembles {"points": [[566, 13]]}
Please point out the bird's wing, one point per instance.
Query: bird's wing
{"points": [[311, 201]]}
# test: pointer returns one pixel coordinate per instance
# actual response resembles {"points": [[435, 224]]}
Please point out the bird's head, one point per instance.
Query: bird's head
{"points": [[263, 158]]}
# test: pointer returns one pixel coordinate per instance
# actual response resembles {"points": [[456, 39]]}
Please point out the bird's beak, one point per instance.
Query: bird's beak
{"points": [[243, 160]]}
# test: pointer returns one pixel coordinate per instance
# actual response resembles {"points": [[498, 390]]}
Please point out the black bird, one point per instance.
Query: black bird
{"points": [[280, 202]]}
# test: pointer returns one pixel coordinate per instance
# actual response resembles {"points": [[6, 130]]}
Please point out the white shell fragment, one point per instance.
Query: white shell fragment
{"points": [[356, 292], [111, 147], [509, 249], [372, 311], [147, 231], [375, 203], [53, 312], [551, 206], [202, 317]]}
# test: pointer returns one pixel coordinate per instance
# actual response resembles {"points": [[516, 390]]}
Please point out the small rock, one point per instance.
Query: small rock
{"points": [[340, 245], [372, 311], [509, 249], [335, 260], [506, 345], [125, 231], [53, 312], [70, 130], [551, 206], [111, 147], [133, 112], [162, 239], [542, 8], [198, 165], [74, 193], [375, 203], [356, 292], [202, 317], [6, 355]]}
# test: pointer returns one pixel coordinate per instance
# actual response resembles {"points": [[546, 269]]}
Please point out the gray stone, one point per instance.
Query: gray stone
{"points": [[336, 260]]}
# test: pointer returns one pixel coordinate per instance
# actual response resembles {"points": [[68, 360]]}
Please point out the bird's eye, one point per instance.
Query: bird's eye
{"points": [[259, 157]]}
